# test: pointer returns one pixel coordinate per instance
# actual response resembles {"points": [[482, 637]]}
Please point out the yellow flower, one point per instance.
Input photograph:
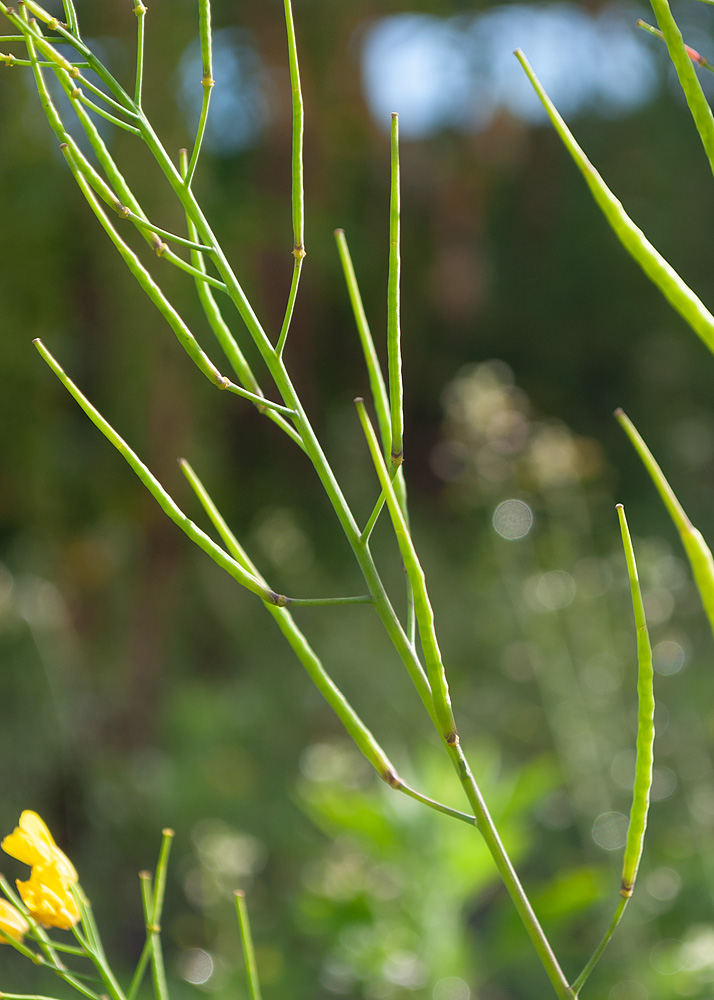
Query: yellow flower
{"points": [[32, 843], [48, 897], [12, 922]]}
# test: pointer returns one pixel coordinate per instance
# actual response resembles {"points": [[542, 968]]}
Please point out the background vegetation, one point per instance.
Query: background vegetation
{"points": [[140, 688]]}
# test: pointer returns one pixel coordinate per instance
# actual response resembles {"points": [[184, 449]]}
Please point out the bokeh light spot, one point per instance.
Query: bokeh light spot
{"points": [[628, 989], [196, 966], [610, 831], [666, 957], [451, 988], [664, 782], [513, 519], [668, 657], [663, 883]]}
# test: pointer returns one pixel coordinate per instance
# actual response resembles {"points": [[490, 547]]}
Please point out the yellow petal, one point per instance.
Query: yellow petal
{"points": [[48, 897], [33, 843], [12, 922]]}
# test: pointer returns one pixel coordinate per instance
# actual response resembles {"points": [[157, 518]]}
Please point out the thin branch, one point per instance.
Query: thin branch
{"points": [[140, 11], [207, 83], [251, 969], [394, 345], [298, 184], [156, 489]]}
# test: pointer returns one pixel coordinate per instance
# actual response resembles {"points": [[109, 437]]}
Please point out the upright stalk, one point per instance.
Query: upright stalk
{"points": [[394, 334]]}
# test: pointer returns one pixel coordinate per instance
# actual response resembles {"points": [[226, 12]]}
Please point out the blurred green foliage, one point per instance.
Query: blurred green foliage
{"points": [[141, 688]]}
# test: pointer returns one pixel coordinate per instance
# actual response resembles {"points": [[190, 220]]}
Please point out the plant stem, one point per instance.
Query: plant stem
{"points": [[157, 905], [156, 489], [597, 954], [207, 83], [314, 602], [692, 53], [424, 612], [688, 79], [71, 15], [251, 969], [394, 345], [140, 11], [357, 730], [508, 875], [433, 804], [298, 184], [380, 397]]}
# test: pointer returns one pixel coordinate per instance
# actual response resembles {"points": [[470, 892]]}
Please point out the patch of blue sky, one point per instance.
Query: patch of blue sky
{"points": [[459, 72]]}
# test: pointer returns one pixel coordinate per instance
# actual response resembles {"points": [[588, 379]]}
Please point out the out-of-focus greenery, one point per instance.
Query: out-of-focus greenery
{"points": [[141, 688]]}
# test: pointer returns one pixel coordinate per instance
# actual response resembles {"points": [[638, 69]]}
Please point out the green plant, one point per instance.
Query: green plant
{"points": [[413, 634]]}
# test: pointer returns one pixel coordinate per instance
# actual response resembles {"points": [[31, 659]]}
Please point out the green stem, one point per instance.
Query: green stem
{"points": [[423, 609], [156, 489], [597, 954], [394, 346], [298, 185], [688, 79], [200, 275], [157, 904], [290, 307], [71, 17], [224, 336], [439, 687], [140, 971], [97, 91], [695, 56], [251, 969], [314, 602], [10, 60], [377, 510], [378, 391], [207, 83], [140, 11], [360, 734], [645, 753], [70, 949], [184, 335], [94, 946], [79, 96], [142, 223], [433, 804], [508, 875], [167, 836], [98, 67]]}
